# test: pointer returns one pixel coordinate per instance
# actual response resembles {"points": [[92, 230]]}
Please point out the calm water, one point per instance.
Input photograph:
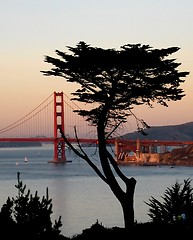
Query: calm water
{"points": [[78, 195]]}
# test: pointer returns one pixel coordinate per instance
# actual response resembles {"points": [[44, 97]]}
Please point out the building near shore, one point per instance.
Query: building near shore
{"points": [[154, 152]]}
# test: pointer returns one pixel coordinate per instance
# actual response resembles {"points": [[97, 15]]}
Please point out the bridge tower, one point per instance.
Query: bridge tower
{"points": [[59, 144]]}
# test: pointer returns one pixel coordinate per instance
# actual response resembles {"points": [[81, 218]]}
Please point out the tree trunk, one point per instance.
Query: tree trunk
{"points": [[127, 203], [126, 198]]}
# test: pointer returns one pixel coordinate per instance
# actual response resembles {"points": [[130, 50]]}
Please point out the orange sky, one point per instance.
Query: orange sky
{"points": [[32, 29]]}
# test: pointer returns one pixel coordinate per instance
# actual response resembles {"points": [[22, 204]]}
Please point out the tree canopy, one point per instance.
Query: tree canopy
{"points": [[116, 80]]}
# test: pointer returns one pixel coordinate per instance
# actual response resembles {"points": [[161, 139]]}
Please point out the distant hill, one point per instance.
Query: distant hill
{"points": [[20, 144], [182, 132]]}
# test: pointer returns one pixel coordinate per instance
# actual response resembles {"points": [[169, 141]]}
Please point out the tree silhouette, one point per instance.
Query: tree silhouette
{"points": [[112, 82]]}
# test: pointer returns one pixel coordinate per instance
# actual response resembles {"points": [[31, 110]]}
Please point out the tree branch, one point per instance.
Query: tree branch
{"points": [[115, 166], [83, 156]]}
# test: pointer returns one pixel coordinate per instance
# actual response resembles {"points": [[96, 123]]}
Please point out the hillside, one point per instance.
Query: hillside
{"points": [[20, 144], [181, 132]]}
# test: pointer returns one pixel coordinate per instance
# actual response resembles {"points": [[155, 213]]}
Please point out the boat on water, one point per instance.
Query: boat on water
{"points": [[25, 159]]}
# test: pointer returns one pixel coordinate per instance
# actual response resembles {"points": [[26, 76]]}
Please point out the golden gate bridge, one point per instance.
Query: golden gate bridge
{"points": [[42, 124], [56, 112]]}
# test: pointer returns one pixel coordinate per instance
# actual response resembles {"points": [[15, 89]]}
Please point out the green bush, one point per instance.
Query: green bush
{"points": [[176, 206], [28, 216]]}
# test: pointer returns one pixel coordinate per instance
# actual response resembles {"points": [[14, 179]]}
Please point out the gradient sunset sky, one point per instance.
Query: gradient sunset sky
{"points": [[31, 29]]}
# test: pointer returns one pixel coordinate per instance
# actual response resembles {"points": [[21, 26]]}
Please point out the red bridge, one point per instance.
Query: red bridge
{"points": [[43, 123]]}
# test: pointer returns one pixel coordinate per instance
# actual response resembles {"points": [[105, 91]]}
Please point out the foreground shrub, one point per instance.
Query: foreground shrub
{"points": [[28, 216], [176, 206]]}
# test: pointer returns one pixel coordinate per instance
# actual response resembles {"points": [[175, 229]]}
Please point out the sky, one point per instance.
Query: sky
{"points": [[31, 29]]}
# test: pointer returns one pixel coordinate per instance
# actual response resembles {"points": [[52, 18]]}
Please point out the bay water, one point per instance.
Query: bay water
{"points": [[78, 195]]}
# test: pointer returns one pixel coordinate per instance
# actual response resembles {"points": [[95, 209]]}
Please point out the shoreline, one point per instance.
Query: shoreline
{"points": [[159, 164]]}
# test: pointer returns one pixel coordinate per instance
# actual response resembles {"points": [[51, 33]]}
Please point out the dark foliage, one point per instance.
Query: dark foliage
{"points": [[176, 204], [28, 217], [146, 230], [119, 79]]}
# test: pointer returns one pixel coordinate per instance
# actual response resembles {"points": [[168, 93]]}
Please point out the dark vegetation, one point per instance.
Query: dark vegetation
{"points": [[176, 206], [28, 217]]}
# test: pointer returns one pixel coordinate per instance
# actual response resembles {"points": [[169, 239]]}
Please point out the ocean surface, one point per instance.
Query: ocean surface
{"points": [[78, 195]]}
